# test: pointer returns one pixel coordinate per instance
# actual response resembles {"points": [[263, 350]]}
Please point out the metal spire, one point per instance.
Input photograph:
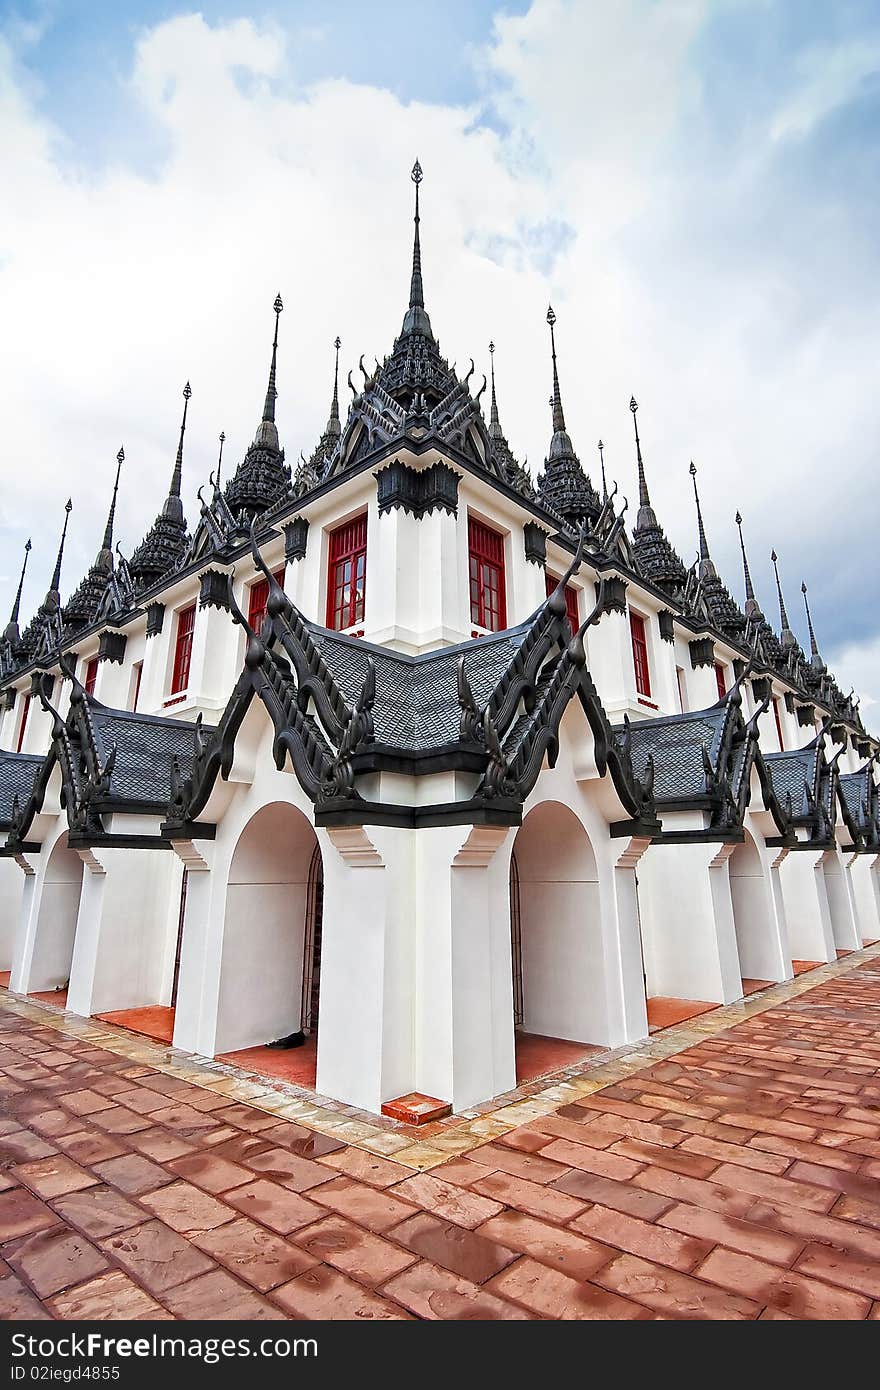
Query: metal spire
{"points": [[53, 594], [173, 506], [333, 425], [556, 401], [706, 566], [646, 516], [11, 634], [817, 663], [416, 289], [271, 393], [787, 636], [105, 555], [752, 605], [602, 467], [220, 458], [495, 430]]}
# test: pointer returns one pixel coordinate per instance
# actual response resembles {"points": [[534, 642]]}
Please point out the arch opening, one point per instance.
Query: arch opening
{"points": [[269, 998], [56, 924], [559, 1006]]}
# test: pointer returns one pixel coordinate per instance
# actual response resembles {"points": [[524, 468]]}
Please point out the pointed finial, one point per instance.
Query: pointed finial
{"points": [[817, 663], [271, 393], [706, 567], [416, 290], [12, 634], [105, 555], [220, 458], [786, 635], [333, 424], [646, 516], [494, 418], [602, 467], [173, 507], [751, 602], [556, 399], [55, 584]]}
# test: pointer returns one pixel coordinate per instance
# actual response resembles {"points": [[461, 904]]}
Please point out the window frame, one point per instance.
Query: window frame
{"points": [[486, 552], [346, 546], [260, 587], [90, 675], [137, 677], [721, 679], [638, 631], [23, 719], [776, 716], [572, 606], [183, 644]]}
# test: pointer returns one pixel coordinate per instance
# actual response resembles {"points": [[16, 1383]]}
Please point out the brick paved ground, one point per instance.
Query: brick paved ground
{"points": [[738, 1179]]}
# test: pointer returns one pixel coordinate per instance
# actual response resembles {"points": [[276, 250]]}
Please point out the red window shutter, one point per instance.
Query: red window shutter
{"points": [[186, 621], [486, 574], [640, 653], [347, 574], [778, 724], [91, 676], [720, 681], [259, 597], [571, 600], [25, 711]]}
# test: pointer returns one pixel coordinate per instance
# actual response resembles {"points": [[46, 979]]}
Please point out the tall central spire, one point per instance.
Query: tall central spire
{"points": [[787, 637], [416, 319], [11, 634], [706, 568], [494, 417], [558, 416], [267, 430], [52, 600], [816, 661], [105, 555], [333, 426], [752, 606], [646, 516], [173, 508]]}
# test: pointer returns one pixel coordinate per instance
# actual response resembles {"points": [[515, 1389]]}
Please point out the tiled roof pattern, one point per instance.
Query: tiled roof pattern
{"points": [[789, 772], [676, 744], [145, 747], [18, 772]]}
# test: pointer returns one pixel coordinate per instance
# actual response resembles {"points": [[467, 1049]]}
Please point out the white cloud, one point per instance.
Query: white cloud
{"points": [[118, 286], [827, 79]]}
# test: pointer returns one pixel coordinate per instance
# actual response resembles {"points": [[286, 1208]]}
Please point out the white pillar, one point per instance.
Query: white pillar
{"points": [[687, 923], [633, 1015], [810, 935], [864, 871], [840, 903]]}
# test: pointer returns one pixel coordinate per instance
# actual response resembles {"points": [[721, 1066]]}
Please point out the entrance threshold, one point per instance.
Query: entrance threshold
{"points": [[155, 1021], [58, 997], [298, 1065], [665, 1011], [537, 1055]]}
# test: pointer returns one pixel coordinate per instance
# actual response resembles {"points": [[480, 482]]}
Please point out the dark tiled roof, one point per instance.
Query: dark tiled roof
{"points": [[145, 746], [790, 774], [416, 705], [676, 743], [18, 772]]}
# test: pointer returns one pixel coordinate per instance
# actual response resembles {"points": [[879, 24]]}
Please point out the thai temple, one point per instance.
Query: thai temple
{"points": [[402, 758]]}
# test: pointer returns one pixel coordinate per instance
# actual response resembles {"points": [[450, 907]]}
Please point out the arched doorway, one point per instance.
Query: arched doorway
{"points": [[558, 967], [270, 966], [753, 917], [56, 924]]}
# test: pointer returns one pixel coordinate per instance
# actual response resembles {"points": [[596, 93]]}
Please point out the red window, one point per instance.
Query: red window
{"points": [[486, 558], [682, 689], [136, 684], [571, 601], [640, 653], [720, 681], [259, 597], [186, 621], [778, 723], [347, 574], [91, 676], [25, 711]]}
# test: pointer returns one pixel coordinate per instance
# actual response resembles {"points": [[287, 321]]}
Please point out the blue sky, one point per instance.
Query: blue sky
{"points": [[693, 183]]}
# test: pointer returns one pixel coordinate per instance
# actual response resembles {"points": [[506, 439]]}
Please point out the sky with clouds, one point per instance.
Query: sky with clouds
{"points": [[691, 182]]}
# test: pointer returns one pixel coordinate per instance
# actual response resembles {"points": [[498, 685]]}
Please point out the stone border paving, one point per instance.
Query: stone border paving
{"points": [[425, 1147]]}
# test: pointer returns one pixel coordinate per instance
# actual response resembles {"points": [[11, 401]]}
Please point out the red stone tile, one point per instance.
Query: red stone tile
{"points": [[304, 1142], [254, 1254], [21, 1213], [211, 1171], [159, 1144], [416, 1109], [273, 1206], [536, 1199], [52, 1260], [187, 1209], [534, 1167], [86, 1102], [365, 1167], [475, 1257], [156, 1257], [434, 1293], [110, 1296], [358, 1253], [672, 1294], [694, 1165], [448, 1201], [132, 1173], [606, 1165], [98, 1211], [18, 1304], [724, 1152], [219, 1297], [282, 1166], [551, 1294], [53, 1177], [574, 1254], [21, 1145], [368, 1206], [325, 1295], [716, 1229], [652, 1242], [785, 1289]]}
